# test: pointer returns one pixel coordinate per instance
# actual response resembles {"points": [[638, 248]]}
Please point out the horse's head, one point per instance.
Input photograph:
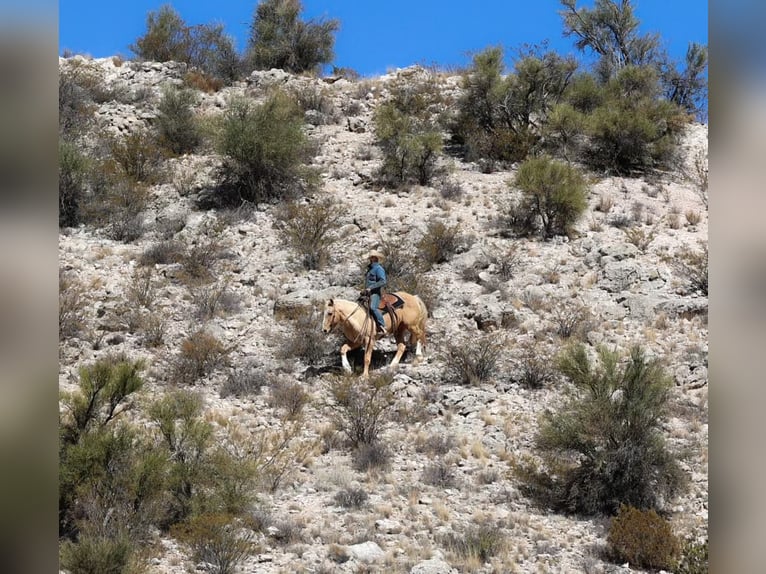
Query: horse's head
{"points": [[329, 318]]}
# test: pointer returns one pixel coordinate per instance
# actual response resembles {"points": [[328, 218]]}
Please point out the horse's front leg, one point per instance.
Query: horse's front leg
{"points": [[368, 356], [344, 359]]}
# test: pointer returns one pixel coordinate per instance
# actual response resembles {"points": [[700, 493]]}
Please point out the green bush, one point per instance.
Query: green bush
{"points": [[264, 148], [633, 129], [279, 39], [98, 456], [73, 173], [97, 555], [410, 145], [604, 447], [204, 46], [408, 131], [310, 229], [554, 192], [177, 126], [499, 115], [643, 539]]}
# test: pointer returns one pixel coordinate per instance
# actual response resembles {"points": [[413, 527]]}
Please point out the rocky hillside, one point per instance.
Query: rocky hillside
{"points": [[452, 448]]}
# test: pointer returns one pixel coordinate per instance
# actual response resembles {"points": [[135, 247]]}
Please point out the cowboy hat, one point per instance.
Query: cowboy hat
{"points": [[375, 253]]}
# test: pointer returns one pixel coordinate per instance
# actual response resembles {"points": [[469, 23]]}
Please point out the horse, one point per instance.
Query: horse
{"points": [[358, 327]]}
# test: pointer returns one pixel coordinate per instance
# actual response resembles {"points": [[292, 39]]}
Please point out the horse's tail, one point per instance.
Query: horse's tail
{"points": [[422, 319]]}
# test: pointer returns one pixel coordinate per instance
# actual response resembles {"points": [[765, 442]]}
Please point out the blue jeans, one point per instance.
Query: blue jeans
{"points": [[374, 302]]}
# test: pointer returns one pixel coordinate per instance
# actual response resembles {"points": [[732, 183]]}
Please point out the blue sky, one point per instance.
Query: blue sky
{"points": [[378, 36]]}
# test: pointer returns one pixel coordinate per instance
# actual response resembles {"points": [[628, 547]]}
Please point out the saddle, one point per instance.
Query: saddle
{"points": [[388, 302]]}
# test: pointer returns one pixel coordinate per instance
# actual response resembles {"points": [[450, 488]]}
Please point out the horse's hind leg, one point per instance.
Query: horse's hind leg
{"points": [[417, 338], [400, 348]]}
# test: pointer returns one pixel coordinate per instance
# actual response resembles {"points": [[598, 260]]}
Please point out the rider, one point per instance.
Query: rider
{"points": [[375, 280]]}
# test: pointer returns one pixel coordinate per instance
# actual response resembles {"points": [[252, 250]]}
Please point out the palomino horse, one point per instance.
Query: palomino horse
{"points": [[359, 327]]}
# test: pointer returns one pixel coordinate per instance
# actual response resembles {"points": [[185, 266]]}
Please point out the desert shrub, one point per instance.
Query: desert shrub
{"points": [[177, 126], [515, 219], [473, 360], [317, 104], [246, 380], [694, 558], [370, 456], [214, 299], [643, 538], [554, 192], [115, 200], [693, 267], [152, 329], [199, 260], [75, 102], [287, 531], [439, 242], [452, 190], [360, 409], [201, 353], [439, 474], [264, 149], [478, 543], [436, 444], [506, 260], [73, 176], [204, 46], [162, 253], [305, 341], [137, 156], [142, 289], [604, 446], [639, 237], [217, 540], [570, 318], [72, 302], [288, 396], [280, 39], [310, 229], [351, 497], [535, 366]]}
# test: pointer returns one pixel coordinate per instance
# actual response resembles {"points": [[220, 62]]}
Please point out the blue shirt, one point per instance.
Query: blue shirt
{"points": [[375, 278]]}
